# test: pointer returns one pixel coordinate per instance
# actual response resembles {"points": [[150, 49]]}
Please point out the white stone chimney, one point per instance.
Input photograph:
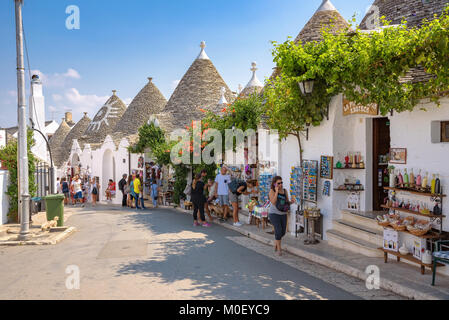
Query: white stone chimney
{"points": [[37, 117]]}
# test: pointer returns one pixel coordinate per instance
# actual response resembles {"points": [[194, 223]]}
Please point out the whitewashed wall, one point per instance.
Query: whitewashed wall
{"points": [[4, 199]]}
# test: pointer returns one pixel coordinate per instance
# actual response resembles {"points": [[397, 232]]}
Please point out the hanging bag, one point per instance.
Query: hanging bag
{"points": [[281, 203]]}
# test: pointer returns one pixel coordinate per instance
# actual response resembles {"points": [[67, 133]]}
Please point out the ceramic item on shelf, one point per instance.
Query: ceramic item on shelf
{"points": [[427, 257], [403, 250]]}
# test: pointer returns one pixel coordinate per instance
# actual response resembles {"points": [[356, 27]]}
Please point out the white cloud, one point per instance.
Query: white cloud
{"points": [[12, 93], [57, 80], [72, 73]]}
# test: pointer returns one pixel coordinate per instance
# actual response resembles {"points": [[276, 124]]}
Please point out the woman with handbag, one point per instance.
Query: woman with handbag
{"points": [[95, 187], [277, 212]]}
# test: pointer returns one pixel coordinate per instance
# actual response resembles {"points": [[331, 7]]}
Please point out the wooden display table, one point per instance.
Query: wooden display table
{"points": [[408, 257]]}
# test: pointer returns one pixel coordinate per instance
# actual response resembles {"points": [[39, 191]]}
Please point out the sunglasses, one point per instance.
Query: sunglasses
{"points": [[279, 183]]}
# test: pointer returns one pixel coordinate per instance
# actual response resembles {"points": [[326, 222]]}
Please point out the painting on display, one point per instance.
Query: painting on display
{"points": [[398, 155], [326, 167]]}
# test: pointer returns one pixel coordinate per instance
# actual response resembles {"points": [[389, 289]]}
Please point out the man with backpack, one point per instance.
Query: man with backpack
{"points": [[237, 187], [121, 186]]}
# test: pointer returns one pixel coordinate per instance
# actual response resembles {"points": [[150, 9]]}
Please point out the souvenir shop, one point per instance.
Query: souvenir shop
{"points": [[378, 179]]}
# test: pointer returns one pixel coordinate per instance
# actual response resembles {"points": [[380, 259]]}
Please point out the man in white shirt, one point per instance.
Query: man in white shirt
{"points": [[76, 183], [222, 191]]}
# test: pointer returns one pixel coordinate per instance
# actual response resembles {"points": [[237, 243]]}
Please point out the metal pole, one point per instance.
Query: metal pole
{"points": [[22, 162]]}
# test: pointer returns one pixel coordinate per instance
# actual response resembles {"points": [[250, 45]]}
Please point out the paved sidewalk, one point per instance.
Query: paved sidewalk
{"points": [[400, 278], [9, 232]]}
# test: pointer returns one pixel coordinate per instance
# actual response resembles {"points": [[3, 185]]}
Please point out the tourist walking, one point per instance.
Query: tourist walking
{"points": [[58, 186], [95, 186], [136, 190], [128, 191], [154, 190], [77, 190], [236, 189], [198, 200], [121, 187], [65, 190], [142, 200], [277, 212], [222, 191], [210, 187]]}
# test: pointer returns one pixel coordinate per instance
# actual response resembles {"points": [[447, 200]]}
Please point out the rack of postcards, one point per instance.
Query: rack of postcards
{"points": [[305, 181], [266, 175]]}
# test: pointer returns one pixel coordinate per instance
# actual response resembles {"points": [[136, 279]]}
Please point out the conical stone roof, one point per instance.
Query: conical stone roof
{"points": [[149, 101], [200, 88], [414, 11], [56, 142], [326, 17], [105, 121], [76, 133], [254, 85]]}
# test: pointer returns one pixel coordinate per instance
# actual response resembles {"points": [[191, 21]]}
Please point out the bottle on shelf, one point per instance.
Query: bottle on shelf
{"points": [[406, 179], [419, 180], [401, 179], [392, 178], [412, 179], [425, 180], [432, 184], [438, 185]]}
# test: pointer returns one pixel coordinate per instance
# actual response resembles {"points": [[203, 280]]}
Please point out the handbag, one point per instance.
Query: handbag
{"points": [[281, 203]]}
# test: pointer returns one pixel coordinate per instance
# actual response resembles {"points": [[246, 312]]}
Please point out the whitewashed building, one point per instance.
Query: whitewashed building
{"points": [[424, 134]]}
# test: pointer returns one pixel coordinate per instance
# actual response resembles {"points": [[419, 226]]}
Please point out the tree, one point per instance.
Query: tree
{"points": [[8, 155]]}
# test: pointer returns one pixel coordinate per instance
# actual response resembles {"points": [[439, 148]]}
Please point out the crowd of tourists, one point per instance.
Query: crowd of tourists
{"points": [[79, 191], [225, 191]]}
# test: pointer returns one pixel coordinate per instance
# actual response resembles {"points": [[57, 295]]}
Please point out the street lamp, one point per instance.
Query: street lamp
{"points": [[306, 87]]}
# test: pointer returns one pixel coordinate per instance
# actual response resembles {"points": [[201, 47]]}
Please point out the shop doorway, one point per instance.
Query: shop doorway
{"points": [[381, 149]]}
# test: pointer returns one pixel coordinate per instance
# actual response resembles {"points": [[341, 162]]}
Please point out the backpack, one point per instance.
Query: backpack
{"points": [[234, 185]]}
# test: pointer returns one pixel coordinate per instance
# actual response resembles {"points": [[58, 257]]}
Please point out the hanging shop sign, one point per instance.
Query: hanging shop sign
{"points": [[350, 108]]}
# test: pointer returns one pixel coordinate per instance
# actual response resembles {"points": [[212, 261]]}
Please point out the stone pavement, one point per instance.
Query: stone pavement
{"points": [[401, 278]]}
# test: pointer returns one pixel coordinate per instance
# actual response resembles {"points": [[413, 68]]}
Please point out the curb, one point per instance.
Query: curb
{"points": [[53, 241], [337, 266]]}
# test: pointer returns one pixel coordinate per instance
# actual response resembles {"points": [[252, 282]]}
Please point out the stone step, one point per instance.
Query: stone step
{"points": [[370, 235], [360, 220], [341, 240]]}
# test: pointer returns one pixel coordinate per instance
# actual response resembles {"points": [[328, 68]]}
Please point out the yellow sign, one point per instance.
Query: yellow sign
{"points": [[350, 107]]}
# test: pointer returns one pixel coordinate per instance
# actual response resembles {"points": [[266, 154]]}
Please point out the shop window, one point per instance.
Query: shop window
{"points": [[445, 131]]}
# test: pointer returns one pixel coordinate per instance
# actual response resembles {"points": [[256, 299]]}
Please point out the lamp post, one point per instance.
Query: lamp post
{"points": [[22, 157], [306, 88]]}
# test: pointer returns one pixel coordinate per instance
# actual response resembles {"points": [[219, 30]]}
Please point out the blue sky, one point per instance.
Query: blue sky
{"points": [[121, 43]]}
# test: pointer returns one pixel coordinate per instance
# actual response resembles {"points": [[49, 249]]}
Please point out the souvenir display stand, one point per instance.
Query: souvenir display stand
{"points": [[308, 177], [409, 213]]}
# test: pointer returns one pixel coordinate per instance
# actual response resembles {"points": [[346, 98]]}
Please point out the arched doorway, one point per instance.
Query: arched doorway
{"points": [[108, 172]]}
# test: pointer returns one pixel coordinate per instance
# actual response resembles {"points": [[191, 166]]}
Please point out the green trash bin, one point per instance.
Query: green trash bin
{"points": [[55, 208]]}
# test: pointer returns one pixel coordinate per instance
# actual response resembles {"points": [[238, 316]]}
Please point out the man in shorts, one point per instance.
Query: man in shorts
{"points": [[77, 190], [222, 191]]}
